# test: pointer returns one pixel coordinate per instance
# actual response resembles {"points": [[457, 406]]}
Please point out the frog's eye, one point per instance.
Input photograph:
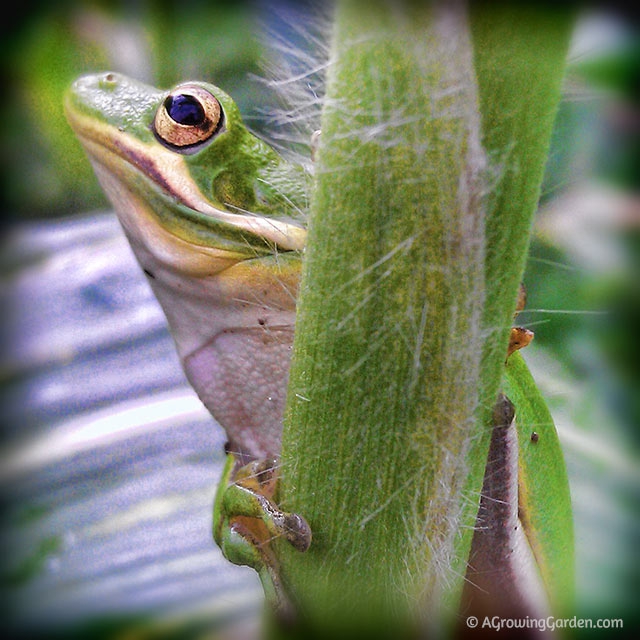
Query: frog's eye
{"points": [[188, 116]]}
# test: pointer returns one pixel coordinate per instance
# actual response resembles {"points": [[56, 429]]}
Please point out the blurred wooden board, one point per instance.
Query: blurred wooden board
{"points": [[109, 461]]}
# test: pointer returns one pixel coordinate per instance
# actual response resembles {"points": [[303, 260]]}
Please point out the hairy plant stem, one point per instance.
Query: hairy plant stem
{"points": [[408, 289]]}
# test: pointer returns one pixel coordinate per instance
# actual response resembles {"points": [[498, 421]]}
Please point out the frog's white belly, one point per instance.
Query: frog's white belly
{"points": [[233, 327], [241, 376]]}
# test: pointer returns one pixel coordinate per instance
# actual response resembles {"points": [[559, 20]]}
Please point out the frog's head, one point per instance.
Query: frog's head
{"points": [[187, 179]]}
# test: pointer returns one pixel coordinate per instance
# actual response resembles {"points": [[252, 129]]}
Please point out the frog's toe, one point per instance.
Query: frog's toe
{"points": [[297, 531], [518, 339]]}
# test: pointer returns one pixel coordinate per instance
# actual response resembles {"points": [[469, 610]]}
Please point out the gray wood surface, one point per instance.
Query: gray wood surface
{"points": [[109, 462]]}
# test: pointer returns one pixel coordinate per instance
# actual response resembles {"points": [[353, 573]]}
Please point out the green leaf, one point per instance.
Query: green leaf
{"points": [[543, 486]]}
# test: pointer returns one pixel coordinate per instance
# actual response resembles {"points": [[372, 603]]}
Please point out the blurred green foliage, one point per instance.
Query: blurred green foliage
{"points": [[44, 170], [595, 152], [618, 72]]}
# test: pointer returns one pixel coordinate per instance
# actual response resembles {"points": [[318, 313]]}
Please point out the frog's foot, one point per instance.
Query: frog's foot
{"points": [[242, 543], [251, 495], [247, 520]]}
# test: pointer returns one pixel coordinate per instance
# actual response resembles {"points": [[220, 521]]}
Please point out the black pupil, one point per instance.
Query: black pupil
{"points": [[184, 109]]}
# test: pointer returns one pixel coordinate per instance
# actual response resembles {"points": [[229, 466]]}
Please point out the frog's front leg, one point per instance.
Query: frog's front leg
{"points": [[240, 545], [246, 519]]}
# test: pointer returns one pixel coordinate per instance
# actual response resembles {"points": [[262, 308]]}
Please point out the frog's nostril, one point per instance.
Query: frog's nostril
{"points": [[108, 80]]}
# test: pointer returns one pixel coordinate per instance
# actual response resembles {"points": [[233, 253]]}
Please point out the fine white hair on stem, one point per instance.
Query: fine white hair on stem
{"points": [[294, 67]]}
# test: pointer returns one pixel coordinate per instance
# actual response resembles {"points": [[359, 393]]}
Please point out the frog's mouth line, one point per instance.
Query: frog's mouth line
{"points": [[166, 169]]}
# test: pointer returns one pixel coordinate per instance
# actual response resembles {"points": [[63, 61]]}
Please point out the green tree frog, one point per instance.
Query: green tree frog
{"points": [[216, 219]]}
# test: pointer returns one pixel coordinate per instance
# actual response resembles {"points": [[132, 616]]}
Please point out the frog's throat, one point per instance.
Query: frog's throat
{"points": [[167, 170]]}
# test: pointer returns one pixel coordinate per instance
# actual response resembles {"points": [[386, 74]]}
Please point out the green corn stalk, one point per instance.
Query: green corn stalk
{"points": [[435, 130]]}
